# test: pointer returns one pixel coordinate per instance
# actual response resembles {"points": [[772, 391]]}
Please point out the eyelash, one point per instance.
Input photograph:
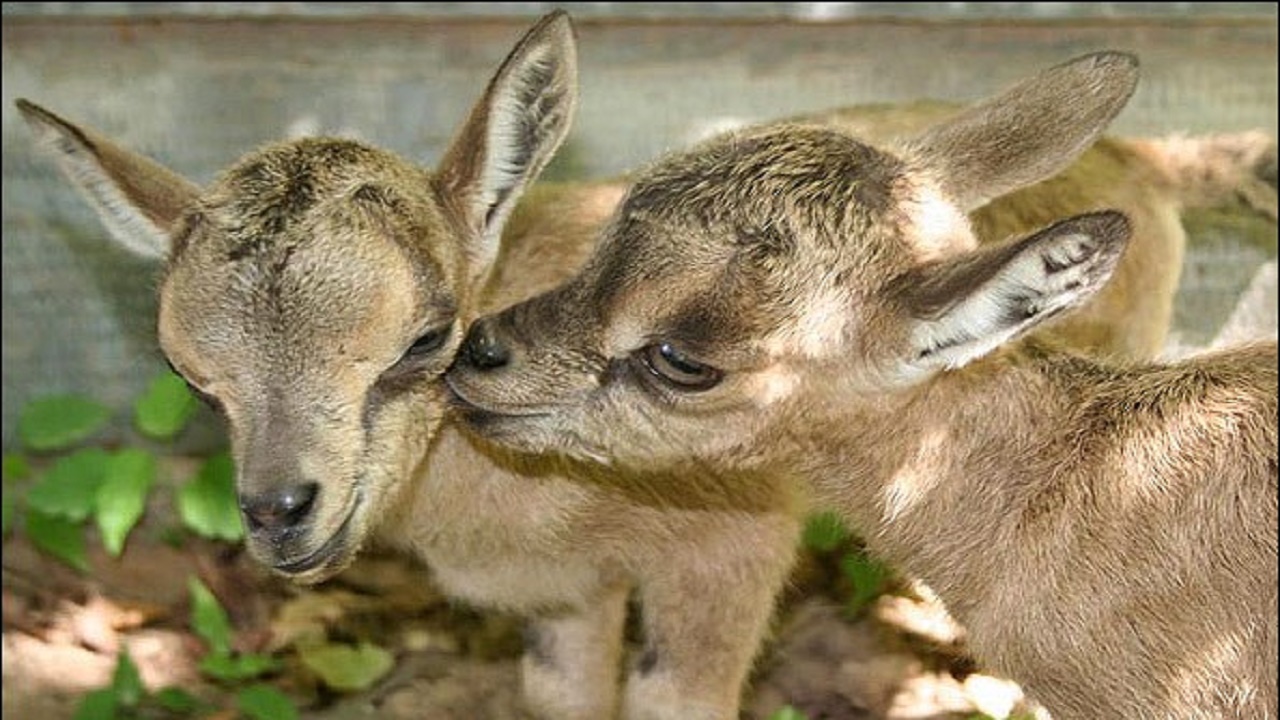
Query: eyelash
{"points": [[676, 370]]}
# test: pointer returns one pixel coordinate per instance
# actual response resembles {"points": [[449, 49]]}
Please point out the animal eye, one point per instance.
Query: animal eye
{"points": [[429, 341], [678, 370]]}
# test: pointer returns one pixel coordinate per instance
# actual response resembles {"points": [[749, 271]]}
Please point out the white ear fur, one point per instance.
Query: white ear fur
{"points": [[138, 200], [512, 133], [1017, 287], [524, 131]]}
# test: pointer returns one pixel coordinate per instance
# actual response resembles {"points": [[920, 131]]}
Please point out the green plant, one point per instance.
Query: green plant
{"points": [[865, 577], [71, 483], [84, 482], [126, 698], [868, 579]]}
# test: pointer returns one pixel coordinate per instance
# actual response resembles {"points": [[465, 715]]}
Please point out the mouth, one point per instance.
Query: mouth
{"points": [[478, 415], [328, 555]]}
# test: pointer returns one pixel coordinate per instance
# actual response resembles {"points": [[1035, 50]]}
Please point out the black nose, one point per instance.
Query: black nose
{"points": [[482, 350], [281, 508]]}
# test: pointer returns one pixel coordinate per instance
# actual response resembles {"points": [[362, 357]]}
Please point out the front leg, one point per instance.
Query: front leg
{"points": [[572, 660], [707, 607]]}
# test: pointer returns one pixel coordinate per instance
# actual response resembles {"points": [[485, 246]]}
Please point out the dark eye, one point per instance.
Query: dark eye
{"points": [[680, 371], [429, 342]]}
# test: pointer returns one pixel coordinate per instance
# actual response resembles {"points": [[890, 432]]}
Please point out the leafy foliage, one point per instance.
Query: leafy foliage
{"points": [[868, 577], [824, 532], [69, 489], [127, 698], [788, 713], [16, 467], [125, 693], [8, 510], [207, 504], [208, 619], [263, 702], [59, 537], [122, 496], [210, 622], [112, 488], [126, 681], [60, 421], [98, 704], [177, 700], [347, 667], [164, 409]]}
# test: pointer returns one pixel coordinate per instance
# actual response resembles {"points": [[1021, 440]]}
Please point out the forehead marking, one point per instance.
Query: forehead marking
{"points": [[818, 328]]}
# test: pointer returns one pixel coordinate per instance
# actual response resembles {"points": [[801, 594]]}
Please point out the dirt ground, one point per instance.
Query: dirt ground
{"points": [[903, 658]]}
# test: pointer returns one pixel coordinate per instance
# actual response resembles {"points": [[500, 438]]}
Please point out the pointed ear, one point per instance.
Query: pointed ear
{"points": [[140, 201], [511, 134], [1028, 132], [965, 307]]}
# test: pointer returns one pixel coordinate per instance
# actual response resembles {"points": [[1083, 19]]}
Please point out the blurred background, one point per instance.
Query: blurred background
{"points": [[197, 84]]}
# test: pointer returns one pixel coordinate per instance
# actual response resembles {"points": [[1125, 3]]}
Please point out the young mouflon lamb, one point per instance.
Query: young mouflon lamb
{"points": [[790, 314], [320, 287]]}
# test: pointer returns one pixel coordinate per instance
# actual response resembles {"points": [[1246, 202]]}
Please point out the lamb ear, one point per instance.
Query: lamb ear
{"points": [[965, 307], [1030, 131], [139, 201], [512, 133]]}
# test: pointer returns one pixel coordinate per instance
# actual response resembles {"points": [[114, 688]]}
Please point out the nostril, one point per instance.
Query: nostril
{"points": [[482, 350], [281, 508]]}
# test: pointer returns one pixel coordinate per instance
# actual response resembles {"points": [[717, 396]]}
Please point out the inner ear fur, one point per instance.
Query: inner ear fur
{"points": [[141, 202], [961, 309], [930, 291], [511, 134]]}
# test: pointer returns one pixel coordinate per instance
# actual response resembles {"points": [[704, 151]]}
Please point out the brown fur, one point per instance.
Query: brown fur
{"points": [[789, 312], [295, 287]]}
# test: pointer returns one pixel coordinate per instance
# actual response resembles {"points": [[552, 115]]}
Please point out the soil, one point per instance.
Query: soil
{"points": [[900, 658]]}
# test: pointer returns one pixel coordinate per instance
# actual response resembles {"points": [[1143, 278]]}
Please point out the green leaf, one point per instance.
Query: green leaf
{"points": [[824, 532], [263, 702], [59, 421], [126, 681], [208, 619], [177, 700], [122, 496], [97, 705], [208, 504], [343, 667], [59, 537], [16, 467], [869, 577], [9, 508], [70, 488], [232, 668], [787, 712], [164, 408]]}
